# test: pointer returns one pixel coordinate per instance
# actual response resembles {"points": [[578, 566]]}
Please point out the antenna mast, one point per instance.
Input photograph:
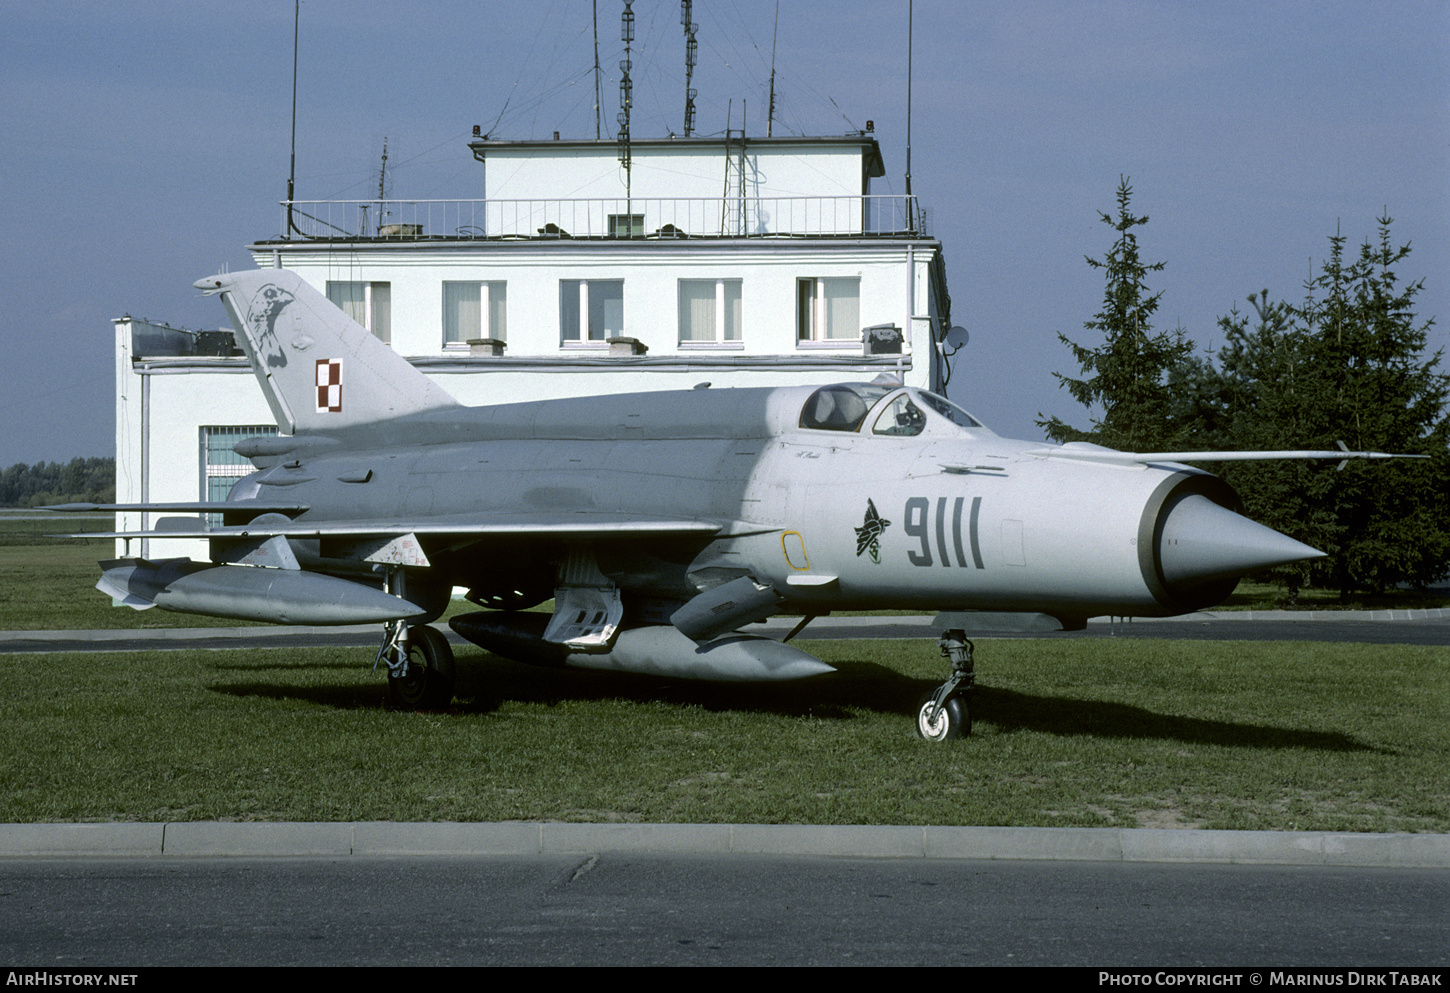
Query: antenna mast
{"points": [[770, 111], [626, 99], [911, 214], [691, 50], [382, 185], [292, 169], [383, 172], [598, 86]]}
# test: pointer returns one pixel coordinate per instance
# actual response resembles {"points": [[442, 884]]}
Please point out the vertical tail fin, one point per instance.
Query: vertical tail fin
{"points": [[318, 368]]}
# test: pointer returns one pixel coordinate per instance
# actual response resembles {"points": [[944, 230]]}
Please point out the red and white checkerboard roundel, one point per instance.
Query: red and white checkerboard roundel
{"points": [[329, 386]]}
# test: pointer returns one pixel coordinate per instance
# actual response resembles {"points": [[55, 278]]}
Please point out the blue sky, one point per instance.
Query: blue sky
{"points": [[146, 143]]}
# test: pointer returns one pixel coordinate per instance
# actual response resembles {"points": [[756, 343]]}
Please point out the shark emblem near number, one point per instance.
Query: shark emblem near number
{"points": [[662, 524]]}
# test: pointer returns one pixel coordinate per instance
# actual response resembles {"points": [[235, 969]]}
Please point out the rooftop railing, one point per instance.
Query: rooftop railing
{"points": [[636, 217]]}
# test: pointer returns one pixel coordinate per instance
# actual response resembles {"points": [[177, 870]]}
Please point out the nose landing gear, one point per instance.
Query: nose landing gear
{"points": [[944, 713]]}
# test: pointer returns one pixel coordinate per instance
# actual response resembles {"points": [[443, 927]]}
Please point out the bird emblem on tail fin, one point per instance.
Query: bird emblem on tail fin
{"points": [[266, 306]]}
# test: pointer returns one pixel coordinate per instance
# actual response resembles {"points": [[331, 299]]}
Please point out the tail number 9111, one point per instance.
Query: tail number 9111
{"points": [[920, 523]]}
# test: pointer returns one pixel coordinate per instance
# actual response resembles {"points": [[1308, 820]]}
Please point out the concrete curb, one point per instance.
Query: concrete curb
{"points": [[207, 838]]}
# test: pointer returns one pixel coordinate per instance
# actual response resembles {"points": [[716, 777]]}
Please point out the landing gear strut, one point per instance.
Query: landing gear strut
{"points": [[420, 667], [944, 713]]}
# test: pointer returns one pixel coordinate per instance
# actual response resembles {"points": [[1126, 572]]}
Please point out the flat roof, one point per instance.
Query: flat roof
{"points": [[863, 141]]}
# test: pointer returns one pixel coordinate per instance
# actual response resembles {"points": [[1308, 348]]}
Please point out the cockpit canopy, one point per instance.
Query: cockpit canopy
{"points": [[845, 406], [842, 407]]}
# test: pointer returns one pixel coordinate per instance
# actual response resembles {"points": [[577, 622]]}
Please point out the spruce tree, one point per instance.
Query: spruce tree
{"points": [[1131, 376], [1371, 386], [1348, 364]]}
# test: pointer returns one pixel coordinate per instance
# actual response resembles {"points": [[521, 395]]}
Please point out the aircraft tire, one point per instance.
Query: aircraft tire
{"points": [[428, 682], [955, 720]]}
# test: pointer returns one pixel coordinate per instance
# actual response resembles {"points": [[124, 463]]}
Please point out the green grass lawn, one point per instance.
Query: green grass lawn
{"points": [[1068, 733]]}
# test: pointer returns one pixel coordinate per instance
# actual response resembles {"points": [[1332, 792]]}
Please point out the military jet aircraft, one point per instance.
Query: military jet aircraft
{"points": [[661, 523]]}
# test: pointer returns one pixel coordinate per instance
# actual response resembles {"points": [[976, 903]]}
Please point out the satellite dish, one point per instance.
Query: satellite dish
{"points": [[956, 337]]}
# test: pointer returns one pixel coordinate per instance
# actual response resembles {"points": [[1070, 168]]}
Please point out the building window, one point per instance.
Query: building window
{"points": [[828, 309], [370, 304], [709, 311], [626, 225], [474, 310], [590, 310], [220, 466]]}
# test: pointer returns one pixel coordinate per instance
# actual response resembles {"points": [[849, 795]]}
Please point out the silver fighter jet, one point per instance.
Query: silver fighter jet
{"points": [[662, 523]]}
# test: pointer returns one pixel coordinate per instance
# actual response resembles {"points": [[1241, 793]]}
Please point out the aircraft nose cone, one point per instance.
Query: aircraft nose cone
{"points": [[1201, 540]]}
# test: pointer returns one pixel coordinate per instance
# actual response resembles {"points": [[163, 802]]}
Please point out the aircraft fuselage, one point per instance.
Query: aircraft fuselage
{"points": [[949, 518]]}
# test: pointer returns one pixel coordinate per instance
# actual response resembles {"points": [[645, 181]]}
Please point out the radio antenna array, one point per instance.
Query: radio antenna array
{"points": [[598, 85], [626, 89], [292, 170], [692, 49], [770, 110]]}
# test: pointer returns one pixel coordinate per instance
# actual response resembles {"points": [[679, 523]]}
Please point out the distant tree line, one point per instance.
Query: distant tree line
{"points": [[77, 481], [1346, 363]]}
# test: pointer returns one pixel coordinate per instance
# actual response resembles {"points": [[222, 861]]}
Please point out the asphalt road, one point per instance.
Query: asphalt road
{"points": [[645, 909]]}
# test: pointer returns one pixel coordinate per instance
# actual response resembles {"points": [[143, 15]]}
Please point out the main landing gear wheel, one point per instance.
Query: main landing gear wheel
{"points": [[953, 719], [427, 681]]}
